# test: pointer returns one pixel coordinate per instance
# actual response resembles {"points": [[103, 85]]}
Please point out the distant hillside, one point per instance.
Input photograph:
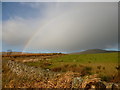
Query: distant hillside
{"points": [[93, 51]]}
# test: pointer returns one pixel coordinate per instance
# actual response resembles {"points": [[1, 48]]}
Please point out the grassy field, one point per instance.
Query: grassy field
{"points": [[94, 58], [103, 63]]}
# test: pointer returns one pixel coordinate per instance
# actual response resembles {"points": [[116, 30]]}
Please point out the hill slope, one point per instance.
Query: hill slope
{"points": [[93, 51]]}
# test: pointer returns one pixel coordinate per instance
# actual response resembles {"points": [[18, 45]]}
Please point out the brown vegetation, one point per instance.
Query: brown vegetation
{"points": [[42, 72], [31, 54]]}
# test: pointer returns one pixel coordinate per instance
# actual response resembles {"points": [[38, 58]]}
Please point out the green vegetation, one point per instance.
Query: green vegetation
{"points": [[85, 58], [102, 63], [105, 78]]}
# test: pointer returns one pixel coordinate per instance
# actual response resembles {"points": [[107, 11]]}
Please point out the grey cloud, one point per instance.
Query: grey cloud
{"points": [[66, 27]]}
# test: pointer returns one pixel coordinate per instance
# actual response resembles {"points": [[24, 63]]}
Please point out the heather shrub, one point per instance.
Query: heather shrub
{"points": [[56, 69], [99, 67], [86, 71], [105, 78]]}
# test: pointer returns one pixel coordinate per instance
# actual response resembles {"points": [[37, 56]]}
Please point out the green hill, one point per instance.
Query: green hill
{"points": [[94, 51]]}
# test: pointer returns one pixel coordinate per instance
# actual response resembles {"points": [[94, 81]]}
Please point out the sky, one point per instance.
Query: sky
{"points": [[59, 26]]}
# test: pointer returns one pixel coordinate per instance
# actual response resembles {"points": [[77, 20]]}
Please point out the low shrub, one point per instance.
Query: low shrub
{"points": [[105, 78], [118, 67], [56, 69], [103, 68], [99, 67], [86, 71]]}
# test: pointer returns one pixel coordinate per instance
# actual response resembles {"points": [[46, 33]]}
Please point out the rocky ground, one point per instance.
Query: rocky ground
{"points": [[32, 77]]}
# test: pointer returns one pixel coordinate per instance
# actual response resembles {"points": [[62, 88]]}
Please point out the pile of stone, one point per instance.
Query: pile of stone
{"points": [[27, 71], [93, 82], [30, 60]]}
